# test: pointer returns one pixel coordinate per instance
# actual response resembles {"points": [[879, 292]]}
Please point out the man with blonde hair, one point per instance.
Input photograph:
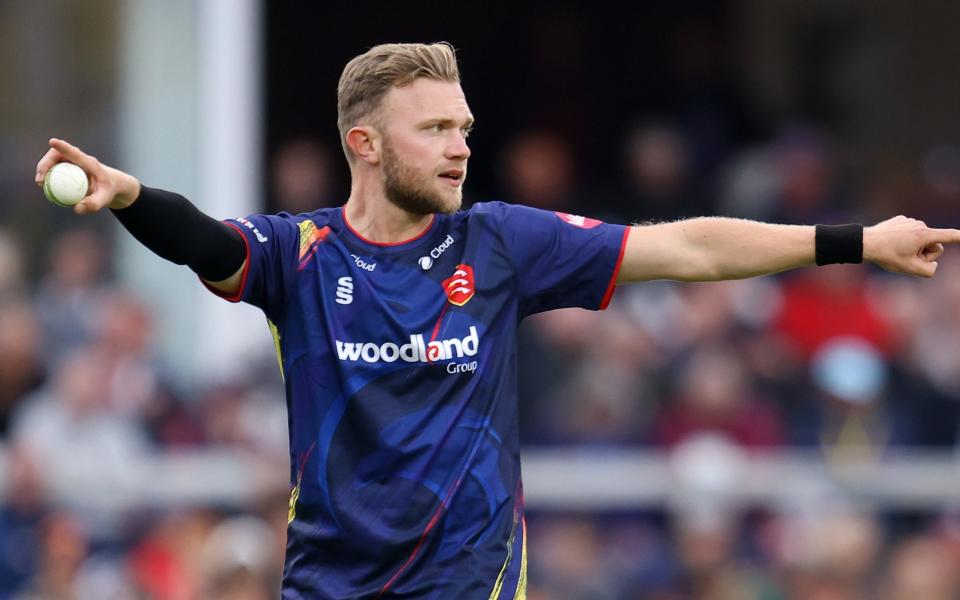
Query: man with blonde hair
{"points": [[395, 319]]}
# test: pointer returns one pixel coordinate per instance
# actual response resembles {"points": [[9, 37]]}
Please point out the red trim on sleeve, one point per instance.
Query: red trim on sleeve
{"points": [[616, 271], [433, 217], [243, 278]]}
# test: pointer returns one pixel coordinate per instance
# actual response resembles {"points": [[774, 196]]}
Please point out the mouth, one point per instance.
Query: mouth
{"points": [[453, 176]]}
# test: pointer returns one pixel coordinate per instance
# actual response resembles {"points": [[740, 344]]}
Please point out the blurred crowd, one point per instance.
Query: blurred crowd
{"points": [[82, 397], [835, 362]]}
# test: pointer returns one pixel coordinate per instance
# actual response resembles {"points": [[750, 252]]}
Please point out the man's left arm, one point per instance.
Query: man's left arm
{"points": [[717, 248]]}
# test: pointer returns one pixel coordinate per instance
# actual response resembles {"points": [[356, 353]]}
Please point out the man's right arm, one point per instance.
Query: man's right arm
{"points": [[166, 223], [174, 229], [231, 285]]}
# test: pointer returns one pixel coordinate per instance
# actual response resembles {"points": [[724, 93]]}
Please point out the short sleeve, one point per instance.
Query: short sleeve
{"points": [[272, 243], [561, 260]]}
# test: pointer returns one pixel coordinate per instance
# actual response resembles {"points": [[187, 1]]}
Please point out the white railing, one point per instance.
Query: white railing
{"points": [[554, 478]]}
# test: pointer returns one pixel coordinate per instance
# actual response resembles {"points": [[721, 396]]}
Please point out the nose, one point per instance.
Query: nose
{"points": [[458, 148]]}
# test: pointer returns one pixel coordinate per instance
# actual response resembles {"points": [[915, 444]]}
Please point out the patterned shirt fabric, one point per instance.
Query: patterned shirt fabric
{"points": [[400, 368]]}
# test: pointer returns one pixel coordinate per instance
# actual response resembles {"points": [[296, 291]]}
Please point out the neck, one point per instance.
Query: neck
{"points": [[376, 219]]}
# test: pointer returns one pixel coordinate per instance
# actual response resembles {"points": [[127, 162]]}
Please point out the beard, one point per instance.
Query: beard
{"points": [[414, 192]]}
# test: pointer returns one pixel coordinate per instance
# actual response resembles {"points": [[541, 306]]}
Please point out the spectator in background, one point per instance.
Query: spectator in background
{"points": [[855, 412], [167, 561], [658, 183], [23, 509], [808, 193], [710, 563], [829, 554], [921, 567], [714, 396], [77, 441], [135, 384], [581, 392], [704, 95], [303, 177], [539, 170], [69, 295], [228, 417], [708, 314], [604, 403], [12, 285], [826, 303], [930, 189], [930, 325], [21, 366], [239, 561], [123, 337], [567, 561], [63, 550], [924, 367], [791, 180]]}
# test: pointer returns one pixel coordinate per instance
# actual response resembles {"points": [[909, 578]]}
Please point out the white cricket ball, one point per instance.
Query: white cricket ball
{"points": [[65, 184]]}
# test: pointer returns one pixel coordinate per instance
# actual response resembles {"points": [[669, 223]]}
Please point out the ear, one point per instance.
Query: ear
{"points": [[364, 142]]}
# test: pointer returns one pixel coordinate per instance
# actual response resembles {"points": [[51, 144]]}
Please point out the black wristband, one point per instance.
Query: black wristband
{"points": [[839, 244], [174, 229]]}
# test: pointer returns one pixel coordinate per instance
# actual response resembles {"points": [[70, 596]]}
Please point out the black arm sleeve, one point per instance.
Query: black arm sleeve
{"points": [[174, 229]]}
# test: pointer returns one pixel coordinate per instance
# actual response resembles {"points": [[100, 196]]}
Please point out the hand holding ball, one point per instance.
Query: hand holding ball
{"points": [[65, 184], [71, 178]]}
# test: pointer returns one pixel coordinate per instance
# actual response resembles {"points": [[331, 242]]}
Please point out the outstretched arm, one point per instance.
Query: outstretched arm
{"points": [[717, 248], [166, 223]]}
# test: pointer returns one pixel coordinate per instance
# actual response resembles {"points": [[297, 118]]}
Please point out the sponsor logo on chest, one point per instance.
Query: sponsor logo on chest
{"points": [[426, 262], [362, 264], [417, 350]]}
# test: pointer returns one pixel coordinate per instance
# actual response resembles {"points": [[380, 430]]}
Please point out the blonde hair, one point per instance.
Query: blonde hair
{"points": [[367, 78]]}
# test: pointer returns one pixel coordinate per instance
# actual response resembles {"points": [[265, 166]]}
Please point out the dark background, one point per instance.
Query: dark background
{"points": [[579, 70]]}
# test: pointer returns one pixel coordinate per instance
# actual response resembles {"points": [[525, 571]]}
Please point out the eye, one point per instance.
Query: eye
{"points": [[467, 131]]}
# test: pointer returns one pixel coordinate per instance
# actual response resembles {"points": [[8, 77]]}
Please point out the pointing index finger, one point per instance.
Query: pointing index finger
{"points": [[944, 236], [73, 154]]}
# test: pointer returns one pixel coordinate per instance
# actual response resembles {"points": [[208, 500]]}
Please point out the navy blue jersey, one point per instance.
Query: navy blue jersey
{"points": [[400, 367]]}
